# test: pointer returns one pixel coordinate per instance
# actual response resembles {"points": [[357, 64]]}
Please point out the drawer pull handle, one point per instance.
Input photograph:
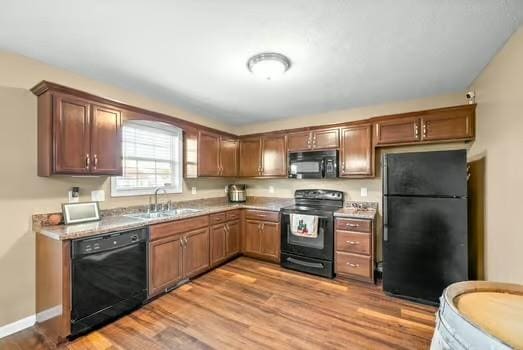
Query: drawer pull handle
{"points": [[353, 265], [353, 242], [262, 215], [352, 225]]}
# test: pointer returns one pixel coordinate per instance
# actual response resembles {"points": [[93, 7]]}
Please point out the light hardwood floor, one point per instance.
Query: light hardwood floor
{"points": [[248, 304]]}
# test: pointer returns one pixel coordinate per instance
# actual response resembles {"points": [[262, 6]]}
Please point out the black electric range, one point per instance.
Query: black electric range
{"points": [[310, 251]]}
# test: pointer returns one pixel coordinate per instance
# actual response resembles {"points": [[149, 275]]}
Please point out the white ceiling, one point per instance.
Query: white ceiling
{"points": [[193, 53]]}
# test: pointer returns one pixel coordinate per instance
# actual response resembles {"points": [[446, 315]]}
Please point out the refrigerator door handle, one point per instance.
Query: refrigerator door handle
{"points": [[384, 171], [385, 234], [385, 212]]}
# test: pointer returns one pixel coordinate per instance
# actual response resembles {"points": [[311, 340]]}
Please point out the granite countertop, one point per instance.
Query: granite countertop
{"points": [[131, 221], [357, 213], [128, 218]]}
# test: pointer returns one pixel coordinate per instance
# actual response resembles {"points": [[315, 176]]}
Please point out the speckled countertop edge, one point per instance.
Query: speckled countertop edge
{"points": [[125, 222]]}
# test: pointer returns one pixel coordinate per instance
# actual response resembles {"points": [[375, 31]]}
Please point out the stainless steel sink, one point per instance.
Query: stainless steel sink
{"points": [[164, 214]]}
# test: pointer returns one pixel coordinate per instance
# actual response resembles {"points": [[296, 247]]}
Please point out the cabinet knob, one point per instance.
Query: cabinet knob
{"points": [[416, 130], [95, 161], [87, 161], [353, 242], [353, 265]]}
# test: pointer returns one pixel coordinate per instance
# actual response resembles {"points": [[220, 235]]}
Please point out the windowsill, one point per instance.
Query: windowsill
{"points": [[147, 192]]}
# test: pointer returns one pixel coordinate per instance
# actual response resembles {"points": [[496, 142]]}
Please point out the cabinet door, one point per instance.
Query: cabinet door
{"points": [[356, 151], [71, 135], [322, 139], [274, 156], [208, 154], [165, 263], [196, 252], [106, 141], [229, 157], [397, 131], [218, 243], [250, 157], [252, 237], [299, 141], [270, 240], [447, 125], [190, 151], [233, 238]]}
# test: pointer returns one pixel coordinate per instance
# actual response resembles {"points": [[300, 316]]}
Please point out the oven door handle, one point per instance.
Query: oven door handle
{"points": [[305, 263]]}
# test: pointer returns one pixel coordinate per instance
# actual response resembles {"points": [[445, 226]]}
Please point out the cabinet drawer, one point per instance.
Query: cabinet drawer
{"points": [[217, 218], [232, 215], [353, 242], [180, 226], [353, 264], [358, 225], [262, 215]]}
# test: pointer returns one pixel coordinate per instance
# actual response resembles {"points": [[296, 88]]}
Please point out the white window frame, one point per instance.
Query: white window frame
{"points": [[176, 186]]}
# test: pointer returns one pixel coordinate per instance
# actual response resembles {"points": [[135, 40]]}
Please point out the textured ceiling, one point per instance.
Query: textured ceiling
{"points": [[193, 53]]}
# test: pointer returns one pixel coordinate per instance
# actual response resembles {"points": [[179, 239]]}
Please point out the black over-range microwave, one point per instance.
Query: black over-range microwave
{"points": [[313, 165]]}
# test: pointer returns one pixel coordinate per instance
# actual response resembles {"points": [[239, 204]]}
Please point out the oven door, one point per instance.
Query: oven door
{"points": [[318, 247]]}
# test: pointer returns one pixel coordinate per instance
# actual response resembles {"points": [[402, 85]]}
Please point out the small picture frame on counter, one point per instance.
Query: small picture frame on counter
{"points": [[76, 213]]}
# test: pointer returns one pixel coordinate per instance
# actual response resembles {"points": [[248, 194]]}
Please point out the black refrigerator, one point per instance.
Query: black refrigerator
{"points": [[424, 223]]}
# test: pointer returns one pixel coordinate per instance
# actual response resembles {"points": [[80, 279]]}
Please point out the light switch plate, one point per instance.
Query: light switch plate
{"points": [[271, 189], [98, 196], [363, 192], [193, 190]]}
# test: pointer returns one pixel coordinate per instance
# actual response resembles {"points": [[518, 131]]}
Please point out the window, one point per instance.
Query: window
{"points": [[152, 157]]}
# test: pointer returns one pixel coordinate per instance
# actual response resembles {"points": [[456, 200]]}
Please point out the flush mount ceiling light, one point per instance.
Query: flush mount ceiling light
{"points": [[268, 65]]}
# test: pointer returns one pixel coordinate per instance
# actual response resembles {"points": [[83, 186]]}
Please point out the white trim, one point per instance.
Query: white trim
{"points": [[17, 326], [50, 313]]}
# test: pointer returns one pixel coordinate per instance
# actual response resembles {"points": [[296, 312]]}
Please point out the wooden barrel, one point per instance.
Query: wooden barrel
{"points": [[480, 315]]}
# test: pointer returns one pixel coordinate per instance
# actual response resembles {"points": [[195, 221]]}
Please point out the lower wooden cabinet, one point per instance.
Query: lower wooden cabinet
{"points": [[196, 252], [165, 263], [175, 255], [354, 249], [232, 239], [262, 239], [218, 238]]}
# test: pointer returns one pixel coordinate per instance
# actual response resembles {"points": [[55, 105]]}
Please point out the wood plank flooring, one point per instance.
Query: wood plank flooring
{"points": [[248, 304]]}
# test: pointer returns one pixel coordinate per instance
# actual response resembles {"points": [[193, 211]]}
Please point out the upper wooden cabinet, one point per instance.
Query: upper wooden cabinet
{"points": [[263, 156], [437, 125], [217, 155], [356, 151], [77, 136], [313, 140], [274, 156]]}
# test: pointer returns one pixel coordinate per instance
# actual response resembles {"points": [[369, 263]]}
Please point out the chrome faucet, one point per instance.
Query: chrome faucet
{"points": [[156, 190]]}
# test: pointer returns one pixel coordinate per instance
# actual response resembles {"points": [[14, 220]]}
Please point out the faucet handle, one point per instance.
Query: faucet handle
{"points": [[169, 205]]}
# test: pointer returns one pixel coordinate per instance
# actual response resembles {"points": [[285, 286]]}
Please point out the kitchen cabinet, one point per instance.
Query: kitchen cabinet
{"points": [[397, 131], [77, 136], [106, 145], [165, 263], [274, 156], [263, 156], [313, 140], [177, 250], [447, 125], [224, 236], [261, 238], [250, 156], [437, 125], [217, 155], [356, 151], [354, 249], [196, 252]]}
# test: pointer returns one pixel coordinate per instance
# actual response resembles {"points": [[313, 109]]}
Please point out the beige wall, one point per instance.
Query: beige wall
{"points": [[499, 90]]}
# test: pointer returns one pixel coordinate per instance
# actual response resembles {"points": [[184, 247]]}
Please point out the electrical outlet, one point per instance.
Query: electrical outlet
{"points": [[364, 192], [271, 189], [193, 190], [226, 187], [73, 199]]}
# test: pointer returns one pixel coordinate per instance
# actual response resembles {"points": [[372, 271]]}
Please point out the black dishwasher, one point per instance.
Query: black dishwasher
{"points": [[109, 277]]}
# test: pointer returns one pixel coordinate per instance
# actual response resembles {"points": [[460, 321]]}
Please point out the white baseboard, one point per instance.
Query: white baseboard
{"points": [[17, 326]]}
